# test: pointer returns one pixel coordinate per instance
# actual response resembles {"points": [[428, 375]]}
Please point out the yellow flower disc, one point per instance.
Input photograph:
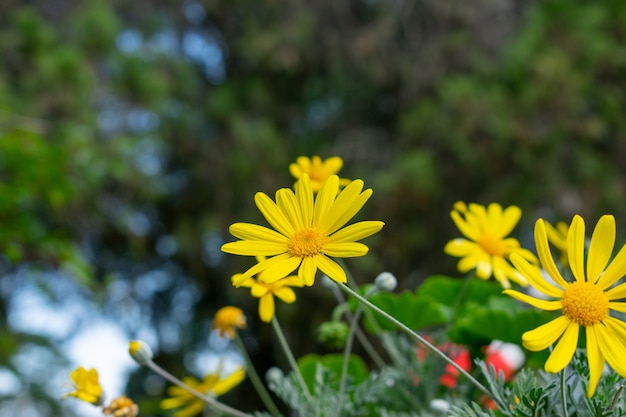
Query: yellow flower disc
{"points": [[585, 303], [493, 245], [306, 242]]}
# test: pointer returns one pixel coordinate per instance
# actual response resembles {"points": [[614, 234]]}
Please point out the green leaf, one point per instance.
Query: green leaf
{"points": [[357, 369], [411, 309]]}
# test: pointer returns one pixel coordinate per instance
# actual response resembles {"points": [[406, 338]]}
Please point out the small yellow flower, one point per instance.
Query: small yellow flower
{"points": [[86, 385], [557, 236], [317, 170], [213, 385], [226, 319], [308, 231], [121, 407], [487, 248], [586, 302], [266, 292]]}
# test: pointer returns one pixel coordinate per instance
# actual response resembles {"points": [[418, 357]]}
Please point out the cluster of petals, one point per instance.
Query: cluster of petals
{"points": [[318, 170], [266, 292], [213, 385], [584, 302], [486, 246], [227, 319], [308, 231], [86, 385]]}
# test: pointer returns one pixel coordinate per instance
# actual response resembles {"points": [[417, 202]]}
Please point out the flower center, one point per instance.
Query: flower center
{"points": [[306, 242], [492, 245], [585, 303]]}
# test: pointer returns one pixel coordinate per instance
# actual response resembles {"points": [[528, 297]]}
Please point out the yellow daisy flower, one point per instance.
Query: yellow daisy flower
{"points": [[487, 248], [226, 319], [266, 292], [308, 231], [557, 236], [87, 387], [121, 407], [585, 302], [317, 170], [212, 385]]}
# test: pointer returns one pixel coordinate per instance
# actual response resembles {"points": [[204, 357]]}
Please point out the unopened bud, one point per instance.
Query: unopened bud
{"points": [[386, 281], [274, 375], [140, 352], [439, 405]]}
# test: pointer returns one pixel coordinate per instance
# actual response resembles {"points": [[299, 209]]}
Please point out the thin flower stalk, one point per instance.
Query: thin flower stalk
{"points": [[416, 336], [211, 402], [255, 379]]}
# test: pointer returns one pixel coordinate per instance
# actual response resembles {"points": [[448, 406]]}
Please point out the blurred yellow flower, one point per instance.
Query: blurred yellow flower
{"points": [[308, 231], [585, 302], [86, 385], [213, 385], [487, 248], [266, 292], [557, 236], [226, 319], [121, 407], [317, 170]]}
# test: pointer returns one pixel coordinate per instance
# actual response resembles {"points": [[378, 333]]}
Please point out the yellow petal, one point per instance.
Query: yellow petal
{"points": [[285, 294], [330, 268], [324, 200], [546, 334], [564, 349], [266, 308], [260, 267], [228, 383], [304, 197], [288, 205], [534, 276], [469, 232], [194, 408], [280, 269], [356, 231], [510, 218], [617, 306], [595, 359], [273, 215], [345, 250], [461, 247], [600, 247], [307, 271], [615, 270], [611, 343], [535, 302], [259, 290], [346, 206], [576, 248], [254, 247], [545, 256], [248, 231]]}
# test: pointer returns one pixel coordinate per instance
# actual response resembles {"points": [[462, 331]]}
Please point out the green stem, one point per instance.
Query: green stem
{"points": [[254, 378], [419, 338], [212, 402], [291, 359], [348, 348], [563, 399], [367, 345]]}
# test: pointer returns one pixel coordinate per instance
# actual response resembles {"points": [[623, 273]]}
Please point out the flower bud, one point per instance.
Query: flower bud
{"points": [[274, 375], [140, 352], [439, 405], [333, 334], [386, 281]]}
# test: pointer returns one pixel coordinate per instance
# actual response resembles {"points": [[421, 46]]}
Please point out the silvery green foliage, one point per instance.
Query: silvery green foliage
{"points": [[466, 411], [539, 394]]}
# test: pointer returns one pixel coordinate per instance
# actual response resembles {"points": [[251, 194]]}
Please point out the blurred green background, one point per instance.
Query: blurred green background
{"points": [[132, 134]]}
